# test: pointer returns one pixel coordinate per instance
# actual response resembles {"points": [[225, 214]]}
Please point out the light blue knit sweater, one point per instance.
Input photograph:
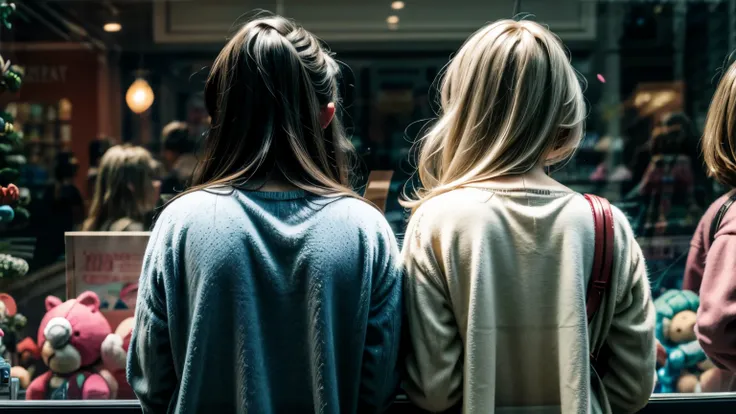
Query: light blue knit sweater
{"points": [[254, 302]]}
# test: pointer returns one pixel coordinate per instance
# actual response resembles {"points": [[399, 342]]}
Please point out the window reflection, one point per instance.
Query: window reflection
{"points": [[651, 71]]}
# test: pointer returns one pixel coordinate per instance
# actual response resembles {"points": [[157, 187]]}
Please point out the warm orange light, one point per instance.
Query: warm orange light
{"points": [[397, 5], [112, 27], [392, 20], [139, 96]]}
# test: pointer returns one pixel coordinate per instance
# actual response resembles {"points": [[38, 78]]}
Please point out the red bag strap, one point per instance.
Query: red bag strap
{"points": [[603, 259], [601, 274]]}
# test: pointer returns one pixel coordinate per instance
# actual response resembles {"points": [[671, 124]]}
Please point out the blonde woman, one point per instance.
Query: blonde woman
{"points": [[498, 254], [126, 191], [269, 286]]}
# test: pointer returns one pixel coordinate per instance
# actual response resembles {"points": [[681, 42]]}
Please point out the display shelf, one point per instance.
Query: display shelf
{"points": [[659, 404], [47, 130]]}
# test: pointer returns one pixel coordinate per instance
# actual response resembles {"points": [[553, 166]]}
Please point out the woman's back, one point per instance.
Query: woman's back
{"points": [[500, 279], [276, 302]]}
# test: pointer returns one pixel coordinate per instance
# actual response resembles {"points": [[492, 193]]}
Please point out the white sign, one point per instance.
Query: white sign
{"points": [[107, 263]]}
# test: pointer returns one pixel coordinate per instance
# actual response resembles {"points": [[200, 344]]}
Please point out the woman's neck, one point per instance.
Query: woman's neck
{"points": [[277, 186], [537, 178]]}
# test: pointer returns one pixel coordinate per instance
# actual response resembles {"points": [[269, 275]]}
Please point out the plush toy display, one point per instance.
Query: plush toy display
{"points": [[70, 338], [115, 356], [686, 366], [30, 363], [10, 322]]}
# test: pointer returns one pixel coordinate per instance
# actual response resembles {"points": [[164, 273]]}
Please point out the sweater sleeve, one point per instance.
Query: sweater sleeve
{"points": [[434, 365], [695, 265], [631, 368], [717, 312], [150, 370], [380, 370]]}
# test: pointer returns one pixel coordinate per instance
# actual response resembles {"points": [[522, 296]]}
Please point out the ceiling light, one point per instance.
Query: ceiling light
{"points": [[112, 27], [397, 5], [139, 96], [392, 20]]}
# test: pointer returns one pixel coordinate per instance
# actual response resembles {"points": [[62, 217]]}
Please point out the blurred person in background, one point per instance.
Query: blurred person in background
{"points": [[67, 199], [711, 263], [498, 255], [61, 210], [97, 149], [126, 191], [179, 157], [269, 286]]}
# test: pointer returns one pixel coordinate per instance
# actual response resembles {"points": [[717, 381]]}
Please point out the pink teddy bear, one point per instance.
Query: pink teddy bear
{"points": [[70, 337]]}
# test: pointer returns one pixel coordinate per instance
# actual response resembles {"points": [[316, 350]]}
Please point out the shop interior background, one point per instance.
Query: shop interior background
{"points": [[647, 65]]}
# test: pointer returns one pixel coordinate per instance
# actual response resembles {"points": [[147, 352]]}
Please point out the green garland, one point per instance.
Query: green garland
{"points": [[7, 11]]}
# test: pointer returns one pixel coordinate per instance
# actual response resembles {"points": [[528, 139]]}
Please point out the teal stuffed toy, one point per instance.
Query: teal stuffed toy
{"points": [[686, 362]]}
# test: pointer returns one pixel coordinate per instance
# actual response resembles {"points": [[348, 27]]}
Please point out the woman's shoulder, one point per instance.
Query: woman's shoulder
{"points": [[191, 209], [455, 203], [199, 199], [352, 213], [728, 222], [346, 212]]}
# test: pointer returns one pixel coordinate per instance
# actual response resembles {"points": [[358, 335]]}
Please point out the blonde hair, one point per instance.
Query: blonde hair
{"points": [[265, 93], [719, 136], [124, 187], [510, 100]]}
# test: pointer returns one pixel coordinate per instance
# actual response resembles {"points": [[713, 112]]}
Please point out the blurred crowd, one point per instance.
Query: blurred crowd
{"points": [[125, 184]]}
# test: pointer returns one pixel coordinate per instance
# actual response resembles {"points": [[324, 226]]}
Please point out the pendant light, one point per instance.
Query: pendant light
{"points": [[139, 96]]}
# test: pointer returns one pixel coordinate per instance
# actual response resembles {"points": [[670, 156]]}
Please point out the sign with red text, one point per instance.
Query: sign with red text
{"points": [[107, 263]]}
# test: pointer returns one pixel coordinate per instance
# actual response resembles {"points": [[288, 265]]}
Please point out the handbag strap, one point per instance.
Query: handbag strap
{"points": [[603, 259], [718, 218], [600, 276]]}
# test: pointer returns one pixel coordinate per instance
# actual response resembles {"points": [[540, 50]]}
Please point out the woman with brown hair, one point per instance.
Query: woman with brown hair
{"points": [[269, 286], [711, 264], [126, 191]]}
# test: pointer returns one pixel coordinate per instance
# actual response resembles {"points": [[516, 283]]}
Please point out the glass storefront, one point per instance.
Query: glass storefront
{"points": [[650, 68]]}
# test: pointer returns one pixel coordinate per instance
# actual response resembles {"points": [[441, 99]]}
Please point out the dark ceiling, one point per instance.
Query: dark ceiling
{"points": [[75, 20]]}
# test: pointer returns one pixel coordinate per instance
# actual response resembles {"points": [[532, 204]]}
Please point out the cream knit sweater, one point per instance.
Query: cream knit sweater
{"points": [[495, 294]]}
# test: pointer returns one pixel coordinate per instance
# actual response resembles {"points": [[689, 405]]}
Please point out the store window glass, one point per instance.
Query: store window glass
{"points": [[69, 71]]}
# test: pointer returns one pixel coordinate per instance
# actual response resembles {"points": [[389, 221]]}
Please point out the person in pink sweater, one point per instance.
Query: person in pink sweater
{"points": [[711, 266]]}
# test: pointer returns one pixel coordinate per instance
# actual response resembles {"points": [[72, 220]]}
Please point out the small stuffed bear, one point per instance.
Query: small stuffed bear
{"points": [[686, 365], [115, 356], [10, 322], [70, 337], [29, 358]]}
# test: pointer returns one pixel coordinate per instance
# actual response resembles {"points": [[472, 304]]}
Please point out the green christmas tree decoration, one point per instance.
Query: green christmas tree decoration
{"points": [[6, 128], [12, 212], [7, 11], [15, 161], [13, 78], [21, 214], [14, 138], [8, 176]]}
